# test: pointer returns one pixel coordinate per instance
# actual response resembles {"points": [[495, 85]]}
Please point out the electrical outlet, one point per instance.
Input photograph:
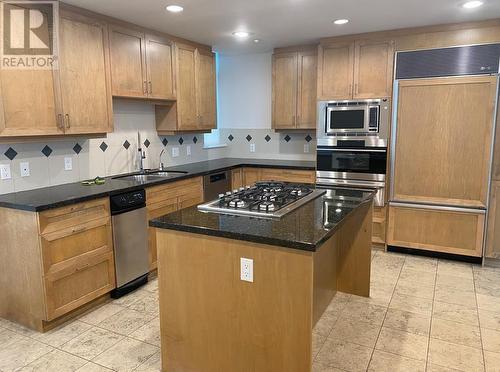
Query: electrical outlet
{"points": [[188, 150], [68, 163], [24, 168], [306, 148], [175, 152], [5, 172], [252, 147], [246, 269]]}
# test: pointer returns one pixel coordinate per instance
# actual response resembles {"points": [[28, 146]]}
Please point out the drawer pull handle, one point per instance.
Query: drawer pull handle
{"points": [[78, 229], [83, 267]]}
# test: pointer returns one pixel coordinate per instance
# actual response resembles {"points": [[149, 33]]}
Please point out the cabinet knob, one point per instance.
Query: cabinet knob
{"points": [[150, 87], [68, 124], [60, 121]]}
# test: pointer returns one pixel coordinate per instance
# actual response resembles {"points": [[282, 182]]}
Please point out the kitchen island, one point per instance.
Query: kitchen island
{"points": [[212, 320]]}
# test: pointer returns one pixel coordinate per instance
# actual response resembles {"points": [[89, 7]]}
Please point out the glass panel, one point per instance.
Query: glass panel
{"points": [[352, 161], [348, 119]]}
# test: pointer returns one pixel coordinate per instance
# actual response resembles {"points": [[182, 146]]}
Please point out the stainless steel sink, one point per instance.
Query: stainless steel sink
{"points": [[150, 176]]}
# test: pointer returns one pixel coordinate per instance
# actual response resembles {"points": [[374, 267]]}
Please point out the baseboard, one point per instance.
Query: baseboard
{"points": [[433, 254]]}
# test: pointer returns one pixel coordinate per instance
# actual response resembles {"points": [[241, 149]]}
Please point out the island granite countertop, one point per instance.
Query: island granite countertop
{"points": [[304, 228], [51, 197]]}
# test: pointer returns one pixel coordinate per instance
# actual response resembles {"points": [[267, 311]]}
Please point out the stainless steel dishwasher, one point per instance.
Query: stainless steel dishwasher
{"points": [[130, 239], [215, 184]]}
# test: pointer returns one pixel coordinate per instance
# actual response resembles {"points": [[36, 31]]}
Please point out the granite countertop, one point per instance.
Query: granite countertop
{"points": [[304, 228], [58, 196]]}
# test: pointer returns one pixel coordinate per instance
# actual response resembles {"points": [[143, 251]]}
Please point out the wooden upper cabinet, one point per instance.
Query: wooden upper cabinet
{"points": [[84, 75], [205, 89], [294, 89], [373, 66], [442, 153], [335, 71], [285, 77], [160, 67], [187, 113], [128, 68], [29, 103], [306, 98]]}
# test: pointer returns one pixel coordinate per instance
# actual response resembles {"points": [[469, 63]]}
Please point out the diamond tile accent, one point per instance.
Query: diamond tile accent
{"points": [[249, 138], [126, 144], [195, 139], [308, 138], [10, 153], [230, 137], [287, 138], [267, 138], [103, 146], [47, 151], [77, 148], [165, 142], [147, 143], [181, 141]]}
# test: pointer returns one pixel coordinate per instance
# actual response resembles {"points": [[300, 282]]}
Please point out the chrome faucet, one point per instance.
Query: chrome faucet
{"points": [[161, 167], [141, 155]]}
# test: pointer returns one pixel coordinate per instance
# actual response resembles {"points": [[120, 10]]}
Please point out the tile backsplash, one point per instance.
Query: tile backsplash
{"points": [[116, 153]]}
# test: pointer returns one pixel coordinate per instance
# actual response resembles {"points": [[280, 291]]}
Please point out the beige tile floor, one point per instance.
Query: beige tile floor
{"points": [[424, 315]]}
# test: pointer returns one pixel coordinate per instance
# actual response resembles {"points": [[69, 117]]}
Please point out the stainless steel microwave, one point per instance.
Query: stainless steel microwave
{"points": [[354, 118]]}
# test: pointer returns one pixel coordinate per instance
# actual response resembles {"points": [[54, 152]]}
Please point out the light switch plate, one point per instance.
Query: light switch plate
{"points": [[188, 150], [5, 172], [307, 148], [24, 168], [252, 147], [246, 269], [175, 152], [68, 163]]}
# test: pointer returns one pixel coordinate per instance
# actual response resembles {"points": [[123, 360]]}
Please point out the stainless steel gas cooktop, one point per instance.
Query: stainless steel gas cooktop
{"points": [[264, 199]]}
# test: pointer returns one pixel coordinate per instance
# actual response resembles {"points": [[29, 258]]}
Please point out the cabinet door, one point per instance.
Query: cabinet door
{"points": [[443, 140], [306, 99], [154, 211], [373, 61], [29, 102], [128, 63], [285, 76], [446, 231], [236, 179], [186, 88], [250, 176], [335, 71], [493, 231], [205, 89], [160, 67], [84, 75]]}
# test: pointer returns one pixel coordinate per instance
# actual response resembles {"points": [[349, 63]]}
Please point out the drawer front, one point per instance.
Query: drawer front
{"points": [[436, 230], [288, 175], [87, 278], [74, 215], [63, 245], [189, 200], [173, 190]]}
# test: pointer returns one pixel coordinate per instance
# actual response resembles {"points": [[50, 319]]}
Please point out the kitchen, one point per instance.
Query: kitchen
{"points": [[202, 187]]}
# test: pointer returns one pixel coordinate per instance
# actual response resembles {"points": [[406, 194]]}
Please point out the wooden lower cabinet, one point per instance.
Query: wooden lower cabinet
{"points": [[252, 175], [168, 198], [446, 231], [57, 261], [236, 178], [379, 225]]}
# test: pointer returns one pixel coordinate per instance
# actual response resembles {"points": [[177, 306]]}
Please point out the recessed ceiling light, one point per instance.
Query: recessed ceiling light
{"points": [[241, 34], [341, 21], [472, 4], [175, 8], [256, 40]]}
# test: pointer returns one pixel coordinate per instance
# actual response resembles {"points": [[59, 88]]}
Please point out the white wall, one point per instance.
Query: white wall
{"points": [[244, 91]]}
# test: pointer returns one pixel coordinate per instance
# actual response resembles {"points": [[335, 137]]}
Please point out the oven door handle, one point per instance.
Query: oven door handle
{"points": [[350, 150], [350, 183]]}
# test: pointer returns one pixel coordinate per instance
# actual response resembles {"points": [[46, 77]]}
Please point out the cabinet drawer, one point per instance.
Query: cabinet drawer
{"points": [[186, 201], [66, 244], [173, 190], [73, 215], [447, 231], [155, 211], [288, 175], [82, 280]]}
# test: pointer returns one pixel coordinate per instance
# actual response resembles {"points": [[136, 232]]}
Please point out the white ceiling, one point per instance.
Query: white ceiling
{"points": [[279, 23]]}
